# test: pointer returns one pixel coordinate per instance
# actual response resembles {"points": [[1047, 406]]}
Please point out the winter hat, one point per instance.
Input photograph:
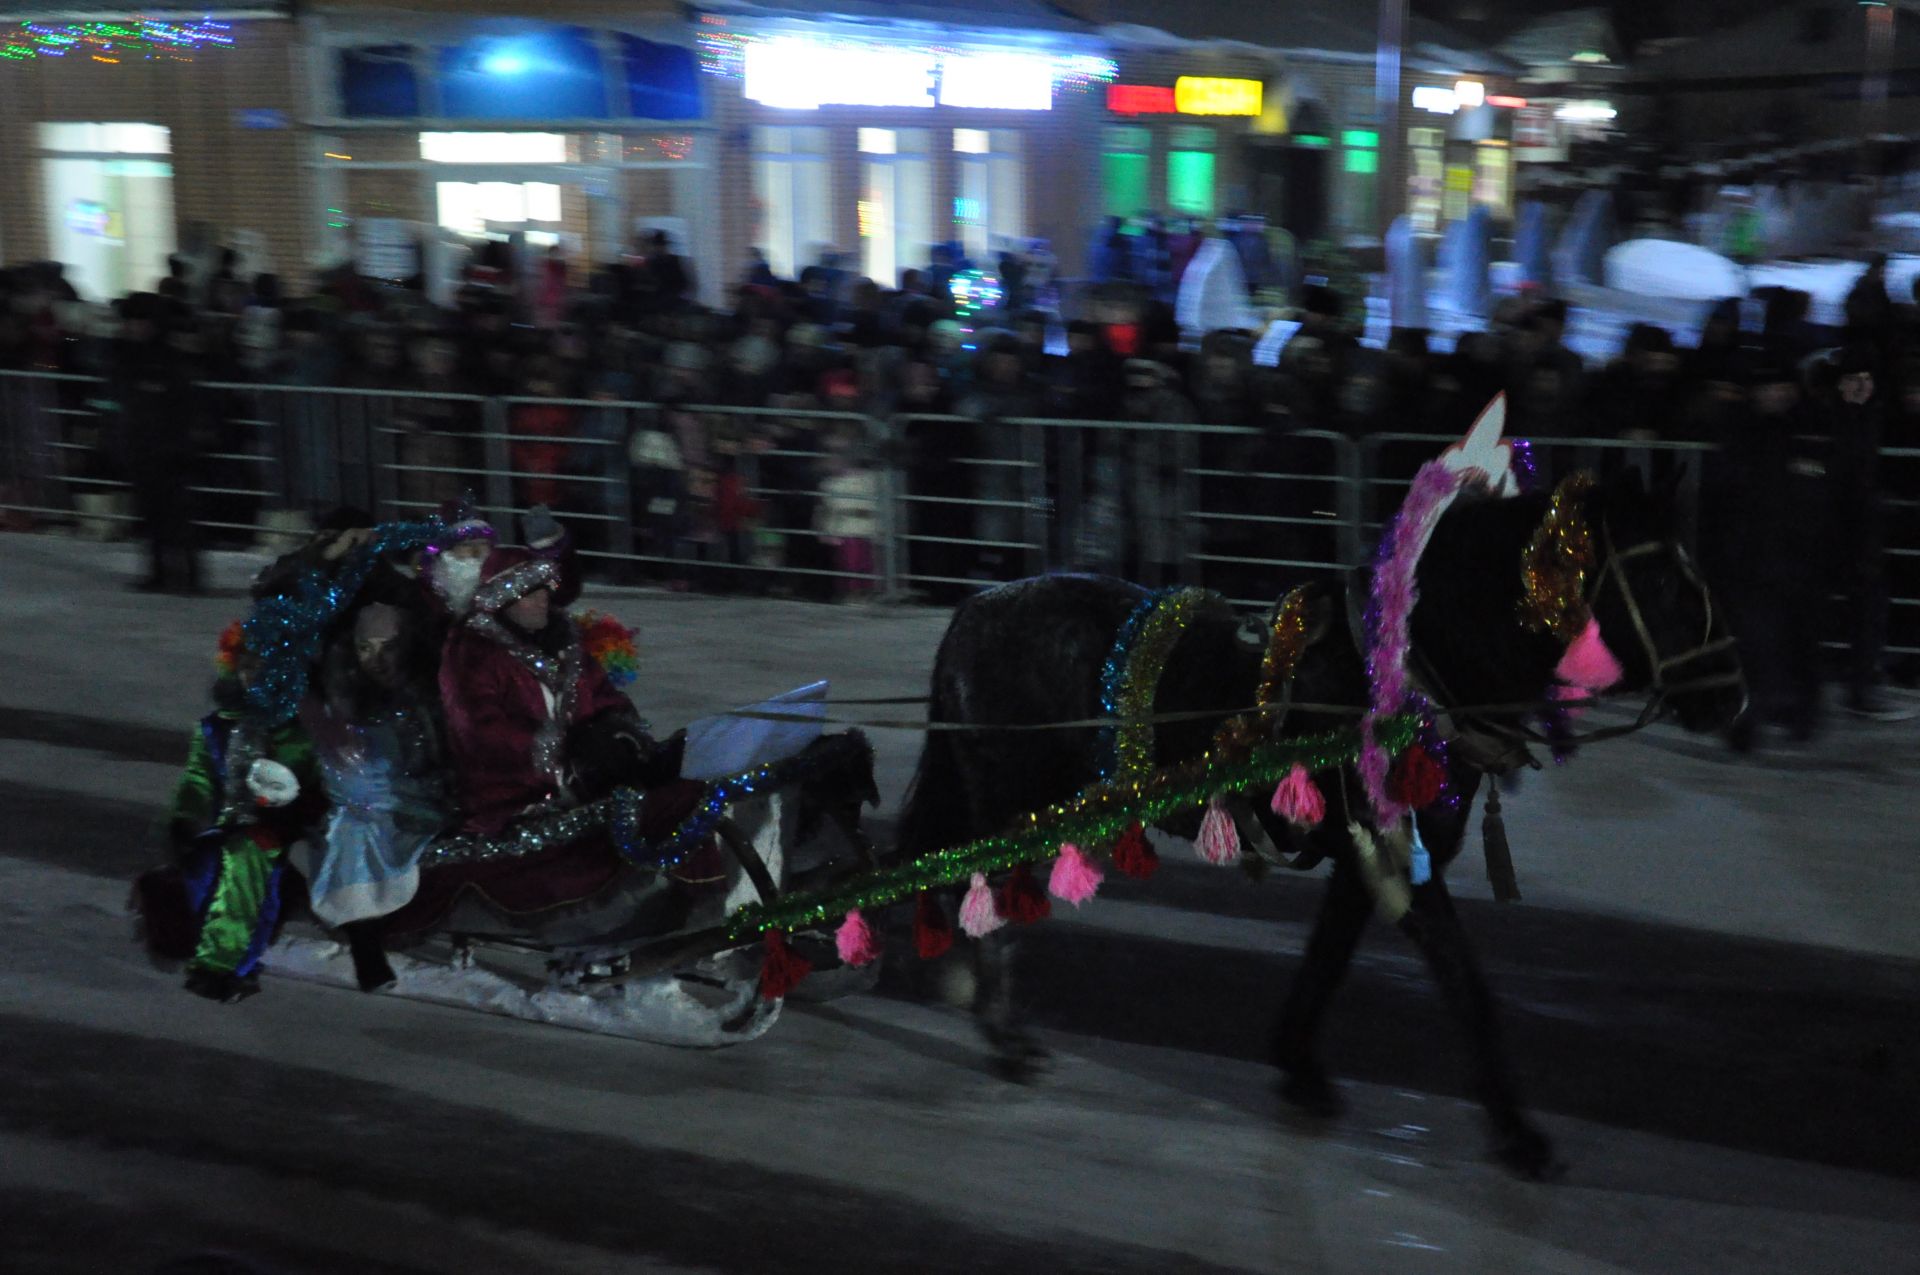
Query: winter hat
{"points": [[463, 522], [511, 573]]}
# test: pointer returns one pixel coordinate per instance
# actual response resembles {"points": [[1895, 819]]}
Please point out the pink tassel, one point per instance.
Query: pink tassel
{"points": [[1298, 799], [855, 941], [1219, 841], [1074, 878], [1588, 664], [978, 915]]}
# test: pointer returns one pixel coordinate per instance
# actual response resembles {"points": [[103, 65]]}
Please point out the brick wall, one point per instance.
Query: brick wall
{"points": [[224, 175]]}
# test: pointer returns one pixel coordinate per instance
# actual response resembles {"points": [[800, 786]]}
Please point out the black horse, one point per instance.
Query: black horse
{"points": [[1033, 651]]}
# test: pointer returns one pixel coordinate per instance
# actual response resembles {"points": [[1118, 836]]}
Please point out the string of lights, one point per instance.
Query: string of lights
{"points": [[133, 40]]}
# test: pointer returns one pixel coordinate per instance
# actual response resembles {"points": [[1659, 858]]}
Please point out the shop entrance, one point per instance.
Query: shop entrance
{"points": [[108, 195], [1290, 188], [586, 193]]}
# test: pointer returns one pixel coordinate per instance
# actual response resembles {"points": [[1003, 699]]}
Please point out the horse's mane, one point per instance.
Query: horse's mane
{"points": [[1466, 629]]}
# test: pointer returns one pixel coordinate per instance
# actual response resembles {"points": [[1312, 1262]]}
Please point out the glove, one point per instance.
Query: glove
{"points": [[539, 528], [660, 763], [271, 783]]}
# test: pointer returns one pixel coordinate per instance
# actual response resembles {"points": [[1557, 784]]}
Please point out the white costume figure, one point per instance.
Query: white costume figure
{"points": [[378, 742]]}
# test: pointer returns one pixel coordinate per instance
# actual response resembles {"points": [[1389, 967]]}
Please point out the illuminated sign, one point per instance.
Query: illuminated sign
{"points": [[804, 73], [997, 81], [1139, 99], [1437, 100], [1203, 95], [88, 217], [1190, 95], [1469, 93], [1507, 103], [1586, 112]]}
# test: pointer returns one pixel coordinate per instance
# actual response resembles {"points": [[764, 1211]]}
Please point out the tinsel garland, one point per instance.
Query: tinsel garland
{"points": [[611, 644], [1395, 593], [1286, 643], [1555, 563], [618, 814], [1099, 815], [1131, 676], [286, 630], [1526, 471]]}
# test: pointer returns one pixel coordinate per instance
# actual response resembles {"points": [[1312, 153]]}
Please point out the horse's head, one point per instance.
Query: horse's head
{"points": [[1654, 607]]}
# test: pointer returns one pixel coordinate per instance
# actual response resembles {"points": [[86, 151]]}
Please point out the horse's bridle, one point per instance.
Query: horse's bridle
{"points": [[1661, 687]]}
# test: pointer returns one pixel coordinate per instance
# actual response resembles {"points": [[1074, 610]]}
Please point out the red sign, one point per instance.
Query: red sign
{"points": [[1510, 103], [1139, 99]]}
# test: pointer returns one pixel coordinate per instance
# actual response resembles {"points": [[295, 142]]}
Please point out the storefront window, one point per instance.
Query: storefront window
{"points": [[496, 148], [379, 82], [1124, 164], [469, 207], [793, 214], [1424, 179], [662, 80], [1493, 177], [1360, 148], [991, 206], [1190, 172], [548, 73], [109, 204], [896, 201]]}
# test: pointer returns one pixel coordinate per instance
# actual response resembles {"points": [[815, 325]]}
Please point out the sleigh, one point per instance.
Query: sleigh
{"points": [[640, 959]]}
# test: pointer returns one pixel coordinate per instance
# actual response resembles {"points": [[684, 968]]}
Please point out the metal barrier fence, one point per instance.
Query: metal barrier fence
{"points": [[814, 503]]}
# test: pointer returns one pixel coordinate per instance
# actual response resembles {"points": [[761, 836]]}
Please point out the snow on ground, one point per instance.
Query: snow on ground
{"points": [[332, 1131]]}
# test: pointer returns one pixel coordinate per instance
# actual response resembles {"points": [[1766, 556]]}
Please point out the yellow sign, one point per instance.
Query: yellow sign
{"points": [[1203, 95]]}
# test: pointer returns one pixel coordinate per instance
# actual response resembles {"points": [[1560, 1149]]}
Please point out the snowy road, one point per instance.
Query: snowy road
{"points": [[1711, 991]]}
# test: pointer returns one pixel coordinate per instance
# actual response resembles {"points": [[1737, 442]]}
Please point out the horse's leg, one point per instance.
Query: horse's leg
{"points": [[1434, 926], [1016, 1054], [1343, 916]]}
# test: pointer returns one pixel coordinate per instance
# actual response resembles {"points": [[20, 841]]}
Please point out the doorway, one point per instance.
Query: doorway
{"points": [[108, 198]]}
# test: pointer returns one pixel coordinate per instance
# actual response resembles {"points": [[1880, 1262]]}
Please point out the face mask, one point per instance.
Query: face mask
{"points": [[457, 578]]}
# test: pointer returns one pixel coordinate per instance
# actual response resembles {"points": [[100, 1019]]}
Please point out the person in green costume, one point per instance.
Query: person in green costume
{"points": [[249, 790]]}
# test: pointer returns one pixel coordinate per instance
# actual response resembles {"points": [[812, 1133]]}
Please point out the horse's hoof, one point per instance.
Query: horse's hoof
{"points": [[1309, 1090], [1022, 1067], [1528, 1154], [1019, 1058]]}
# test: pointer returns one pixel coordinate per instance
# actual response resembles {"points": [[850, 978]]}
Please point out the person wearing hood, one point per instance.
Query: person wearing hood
{"points": [[539, 739]]}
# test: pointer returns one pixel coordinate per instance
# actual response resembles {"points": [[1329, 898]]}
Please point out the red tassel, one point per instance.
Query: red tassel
{"points": [[1416, 779], [782, 969], [1133, 854], [1022, 899], [932, 930]]}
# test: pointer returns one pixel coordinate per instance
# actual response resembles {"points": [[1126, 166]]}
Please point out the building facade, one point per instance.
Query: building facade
{"points": [[355, 132]]}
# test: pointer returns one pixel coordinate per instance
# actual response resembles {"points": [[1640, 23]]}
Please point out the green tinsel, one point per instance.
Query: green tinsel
{"points": [[1153, 642], [1097, 816]]}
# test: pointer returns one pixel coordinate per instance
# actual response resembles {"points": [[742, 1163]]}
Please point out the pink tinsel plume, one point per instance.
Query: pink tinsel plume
{"points": [[1074, 878], [1219, 841], [1298, 799], [978, 915], [855, 942], [1588, 664]]}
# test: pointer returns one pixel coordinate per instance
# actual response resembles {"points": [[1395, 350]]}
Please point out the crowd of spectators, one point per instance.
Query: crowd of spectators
{"points": [[1797, 500]]}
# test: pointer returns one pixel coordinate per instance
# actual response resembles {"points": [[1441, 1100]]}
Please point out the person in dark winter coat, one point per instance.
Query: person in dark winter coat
{"points": [[1767, 540], [1856, 424], [153, 386]]}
